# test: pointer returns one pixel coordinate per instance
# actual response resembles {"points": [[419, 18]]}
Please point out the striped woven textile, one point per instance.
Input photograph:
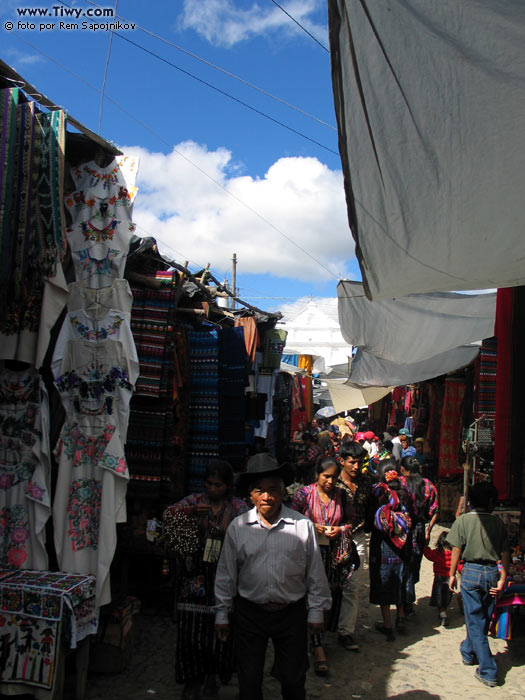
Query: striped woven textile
{"points": [[486, 394]]}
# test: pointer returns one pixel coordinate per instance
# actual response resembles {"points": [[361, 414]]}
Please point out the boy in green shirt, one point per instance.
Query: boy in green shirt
{"points": [[480, 539]]}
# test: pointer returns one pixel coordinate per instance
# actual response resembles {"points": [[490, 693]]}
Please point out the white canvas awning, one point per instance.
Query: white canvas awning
{"points": [[346, 396], [416, 327], [430, 100], [370, 370]]}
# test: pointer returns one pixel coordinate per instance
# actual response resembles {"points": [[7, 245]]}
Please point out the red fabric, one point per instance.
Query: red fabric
{"points": [[441, 559], [502, 441], [451, 422]]}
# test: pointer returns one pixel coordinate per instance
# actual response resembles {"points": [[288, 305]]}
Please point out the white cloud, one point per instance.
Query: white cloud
{"points": [[223, 23], [16, 58], [187, 211]]}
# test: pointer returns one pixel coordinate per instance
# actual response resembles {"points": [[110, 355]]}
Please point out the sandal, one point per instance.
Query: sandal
{"points": [[321, 668]]}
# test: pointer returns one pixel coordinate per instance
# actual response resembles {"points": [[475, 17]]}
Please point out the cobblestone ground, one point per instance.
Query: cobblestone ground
{"points": [[424, 664]]}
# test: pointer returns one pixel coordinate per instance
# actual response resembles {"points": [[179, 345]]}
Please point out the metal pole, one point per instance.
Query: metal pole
{"points": [[234, 278]]}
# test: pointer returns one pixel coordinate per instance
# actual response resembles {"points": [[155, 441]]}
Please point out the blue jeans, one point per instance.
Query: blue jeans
{"points": [[478, 605]]}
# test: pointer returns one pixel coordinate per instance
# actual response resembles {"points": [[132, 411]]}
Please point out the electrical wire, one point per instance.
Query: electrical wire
{"points": [[105, 75], [221, 70], [301, 26], [188, 160], [220, 91]]}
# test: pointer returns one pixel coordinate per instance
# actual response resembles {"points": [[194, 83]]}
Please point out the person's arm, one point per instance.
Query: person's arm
{"points": [[317, 588], [299, 501], [225, 584], [431, 524], [505, 560], [454, 561]]}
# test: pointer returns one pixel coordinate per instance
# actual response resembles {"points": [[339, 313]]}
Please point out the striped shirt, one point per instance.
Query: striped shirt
{"points": [[280, 564]]}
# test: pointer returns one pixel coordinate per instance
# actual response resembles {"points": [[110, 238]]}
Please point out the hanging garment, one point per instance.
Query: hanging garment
{"points": [[25, 470], [251, 335], [274, 342], [116, 234], [97, 379], [95, 180], [90, 499], [117, 296], [451, 425], [98, 265], [101, 210]]}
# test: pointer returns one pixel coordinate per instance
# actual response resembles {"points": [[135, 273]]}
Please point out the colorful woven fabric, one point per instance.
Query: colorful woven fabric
{"points": [[451, 421], [231, 386], [486, 396], [8, 104]]}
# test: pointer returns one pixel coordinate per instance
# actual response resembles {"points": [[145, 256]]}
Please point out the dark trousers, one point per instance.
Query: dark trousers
{"points": [[253, 627]]}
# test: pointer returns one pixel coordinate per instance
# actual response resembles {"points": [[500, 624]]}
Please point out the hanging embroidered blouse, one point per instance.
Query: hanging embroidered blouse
{"points": [[95, 180], [96, 379], [98, 265], [90, 499], [101, 210], [25, 470], [116, 234], [97, 301]]}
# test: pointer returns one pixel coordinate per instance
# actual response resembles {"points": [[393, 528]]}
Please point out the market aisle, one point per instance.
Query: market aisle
{"points": [[422, 665]]}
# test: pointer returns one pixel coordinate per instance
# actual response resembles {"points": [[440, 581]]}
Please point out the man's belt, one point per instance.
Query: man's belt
{"points": [[272, 607], [482, 562]]}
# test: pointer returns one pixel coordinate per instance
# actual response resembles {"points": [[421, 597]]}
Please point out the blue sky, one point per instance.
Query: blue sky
{"points": [[279, 202]]}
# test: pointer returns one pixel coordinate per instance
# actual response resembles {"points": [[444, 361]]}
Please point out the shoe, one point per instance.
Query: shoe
{"points": [[347, 641], [387, 631], [485, 681], [469, 663], [401, 627], [321, 668], [443, 621]]}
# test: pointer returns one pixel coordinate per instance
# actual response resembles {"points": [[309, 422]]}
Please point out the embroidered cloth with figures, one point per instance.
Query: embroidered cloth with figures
{"points": [[32, 606]]}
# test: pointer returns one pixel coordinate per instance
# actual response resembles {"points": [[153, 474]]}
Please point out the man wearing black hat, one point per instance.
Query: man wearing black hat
{"points": [[271, 576]]}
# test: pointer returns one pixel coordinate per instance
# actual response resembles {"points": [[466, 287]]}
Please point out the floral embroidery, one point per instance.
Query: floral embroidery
{"points": [[35, 492], [19, 422], [97, 385], [14, 532], [114, 463], [96, 334], [102, 208], [86, 450], [12, 473], [107, 266], [83, 509]]}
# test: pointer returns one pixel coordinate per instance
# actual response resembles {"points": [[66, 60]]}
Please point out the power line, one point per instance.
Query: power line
{"points": [[221, 92], [222, 70], [188, 160], [301, 26], [105, 75]]}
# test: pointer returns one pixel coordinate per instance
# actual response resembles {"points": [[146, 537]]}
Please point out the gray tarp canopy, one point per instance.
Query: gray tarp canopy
{"points": [[430, 101], [369, 370], [416, 327]]}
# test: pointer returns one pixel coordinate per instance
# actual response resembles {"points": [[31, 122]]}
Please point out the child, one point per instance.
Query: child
{"points": [[441, 593]]}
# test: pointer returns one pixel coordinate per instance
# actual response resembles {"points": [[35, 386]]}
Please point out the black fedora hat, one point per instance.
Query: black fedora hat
{"points": [[259, 466]]}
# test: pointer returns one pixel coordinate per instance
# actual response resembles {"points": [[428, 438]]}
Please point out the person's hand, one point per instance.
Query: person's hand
{"points": [[319, 528], [333, 532], [202, 508], [496, 590], [315, 628], [427, 537], [452, 582], [222, 632]]}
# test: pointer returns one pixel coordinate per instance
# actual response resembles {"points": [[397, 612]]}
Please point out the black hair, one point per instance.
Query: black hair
{"points": [[483, 495], [352, 449], [307, 435], [222, 470], [325, 444], [415, 481], [442, 543], [384, 466], [325, 463], [388, 445], [392, 430]]}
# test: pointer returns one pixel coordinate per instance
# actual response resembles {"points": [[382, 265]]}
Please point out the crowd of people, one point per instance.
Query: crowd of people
{"points": [[283, 559]]}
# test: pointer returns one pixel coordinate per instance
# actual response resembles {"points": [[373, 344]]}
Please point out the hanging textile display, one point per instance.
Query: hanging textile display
{"points": [[151, 447], [25, 470], [231, 387], [203, 427], [486, 378], [95, 366], [451, 422], [33, 608], [505, 333], [32, 223]]}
